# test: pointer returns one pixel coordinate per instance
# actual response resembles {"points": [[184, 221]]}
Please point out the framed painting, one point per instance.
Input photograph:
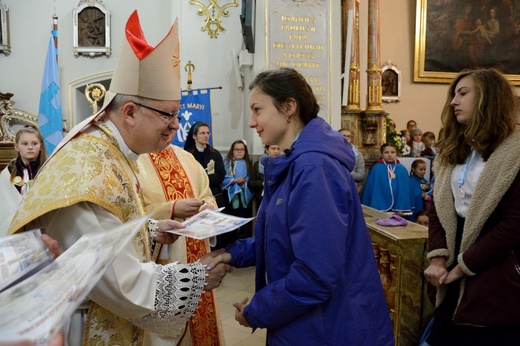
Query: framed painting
{"points": [[390, 82], [91, 21], [454, 35], [5, 46]]}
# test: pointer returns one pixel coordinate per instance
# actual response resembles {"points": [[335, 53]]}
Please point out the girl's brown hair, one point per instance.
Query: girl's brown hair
{"points": [[493, 120], [416, 164], [284, 84]]}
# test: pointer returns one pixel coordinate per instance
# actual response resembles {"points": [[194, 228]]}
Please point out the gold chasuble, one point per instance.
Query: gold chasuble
{"points": [[92, 169], [167, 176]]}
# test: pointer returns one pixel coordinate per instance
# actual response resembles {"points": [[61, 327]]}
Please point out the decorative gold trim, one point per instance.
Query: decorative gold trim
{"points": [[212, 24], [190, 68], [11, 119], [94, 93], [75, 94]]}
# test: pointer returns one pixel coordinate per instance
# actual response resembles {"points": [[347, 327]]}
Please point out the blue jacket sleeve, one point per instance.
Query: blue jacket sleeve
{"points": [[242, 252]]}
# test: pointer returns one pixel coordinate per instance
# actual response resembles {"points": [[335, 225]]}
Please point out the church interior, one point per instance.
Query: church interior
{"points": [[370, 56]]}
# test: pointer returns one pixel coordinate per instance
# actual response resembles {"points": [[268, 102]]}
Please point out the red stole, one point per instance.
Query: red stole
{"points": [[176, 185]]}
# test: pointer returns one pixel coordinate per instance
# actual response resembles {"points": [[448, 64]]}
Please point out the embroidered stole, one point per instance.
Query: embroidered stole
{"points": [[176, 185]]}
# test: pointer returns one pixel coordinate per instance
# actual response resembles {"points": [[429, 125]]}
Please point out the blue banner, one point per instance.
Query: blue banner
{"points": [[49, 114], [195, 106]]}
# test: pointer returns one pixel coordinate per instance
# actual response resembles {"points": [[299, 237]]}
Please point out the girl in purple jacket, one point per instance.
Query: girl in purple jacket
{"points": [[317, 281]]}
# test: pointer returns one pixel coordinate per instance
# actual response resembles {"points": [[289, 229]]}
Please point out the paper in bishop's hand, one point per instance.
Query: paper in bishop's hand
{"points": [[22, 255], [209, 223], [36, 308]]}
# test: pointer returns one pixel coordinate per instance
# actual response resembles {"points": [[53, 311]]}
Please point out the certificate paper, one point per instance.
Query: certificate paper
{"points": [[21, 255], [209, 223], [36, 308]]}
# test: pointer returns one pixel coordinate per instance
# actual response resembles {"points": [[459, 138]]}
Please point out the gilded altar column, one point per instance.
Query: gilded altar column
{"points": [[374, 93], [353, 73], [351, 113], [375, 117]]}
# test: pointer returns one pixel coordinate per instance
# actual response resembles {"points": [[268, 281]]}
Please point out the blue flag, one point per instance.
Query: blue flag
{"points": [[49, 115], [195, 106]]}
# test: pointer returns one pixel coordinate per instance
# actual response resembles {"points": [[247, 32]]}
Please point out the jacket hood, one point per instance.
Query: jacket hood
{"points": [[317, 136]]}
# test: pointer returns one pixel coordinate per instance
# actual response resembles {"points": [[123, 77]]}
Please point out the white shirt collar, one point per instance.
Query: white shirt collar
{"points": [[122, 145]]}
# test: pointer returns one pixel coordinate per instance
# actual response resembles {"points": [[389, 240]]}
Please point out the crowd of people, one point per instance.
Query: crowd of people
{"points": [[392, 187], [119, 164]]}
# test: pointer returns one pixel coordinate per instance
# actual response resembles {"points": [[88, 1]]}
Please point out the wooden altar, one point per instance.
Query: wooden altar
{"points": [[401, 256]]}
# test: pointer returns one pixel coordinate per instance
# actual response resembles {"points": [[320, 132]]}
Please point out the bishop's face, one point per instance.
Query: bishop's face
{"points": [[154, 131]]}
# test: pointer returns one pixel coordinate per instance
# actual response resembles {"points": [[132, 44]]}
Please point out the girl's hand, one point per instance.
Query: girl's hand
{"points": [[454, 274], [239, 311], [436, 273]]}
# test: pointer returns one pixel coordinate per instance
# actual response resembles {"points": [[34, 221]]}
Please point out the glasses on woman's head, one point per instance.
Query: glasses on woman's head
{"points": [[163, 115], [239, 150]]}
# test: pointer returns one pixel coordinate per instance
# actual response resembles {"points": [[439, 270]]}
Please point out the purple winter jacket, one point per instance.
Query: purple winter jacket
{"points": [[317, 281]]}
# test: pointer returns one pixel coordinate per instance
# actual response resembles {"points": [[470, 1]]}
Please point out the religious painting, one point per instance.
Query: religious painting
{"points": [[91, 29], [390, 82], [454, 35], [4, 29]]}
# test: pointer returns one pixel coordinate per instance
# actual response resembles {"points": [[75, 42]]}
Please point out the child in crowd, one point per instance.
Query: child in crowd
{"points": [[423, 218], [419, 186], [405, 137], [238, 171], [387, 187], [428, 138], [17, 177], [415, 143]]}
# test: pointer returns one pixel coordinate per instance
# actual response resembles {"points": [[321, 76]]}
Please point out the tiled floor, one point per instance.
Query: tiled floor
{"points": [[237, 285]]}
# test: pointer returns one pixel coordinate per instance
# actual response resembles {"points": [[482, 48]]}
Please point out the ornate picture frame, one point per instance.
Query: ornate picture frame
{"points": [[91, 22], [5, 46], [390, 82], [453, 35]]}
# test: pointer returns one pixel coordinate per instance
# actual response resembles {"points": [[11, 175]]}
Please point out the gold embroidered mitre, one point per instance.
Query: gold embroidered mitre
{"points": [[145, 71]]}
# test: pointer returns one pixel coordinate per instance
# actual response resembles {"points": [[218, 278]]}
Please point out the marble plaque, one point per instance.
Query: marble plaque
{"points": [[298, 36]]}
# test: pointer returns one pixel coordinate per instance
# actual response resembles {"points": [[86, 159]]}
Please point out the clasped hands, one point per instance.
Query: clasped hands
{"points": [[216, 262], [438, 275], [217, 266]]}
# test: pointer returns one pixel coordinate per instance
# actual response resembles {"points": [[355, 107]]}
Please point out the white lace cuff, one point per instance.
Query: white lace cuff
{"points": [[178, 292], [153, 226]]}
